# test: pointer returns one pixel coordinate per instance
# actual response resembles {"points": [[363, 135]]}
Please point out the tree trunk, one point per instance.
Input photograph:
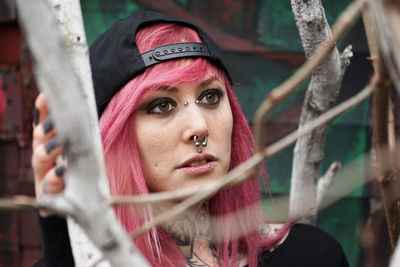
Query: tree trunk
{"points": [[69, 16], [321, 95], [84, 196]]}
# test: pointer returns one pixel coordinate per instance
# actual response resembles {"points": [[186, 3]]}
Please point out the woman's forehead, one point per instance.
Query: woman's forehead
{"points": [[206, 81]]}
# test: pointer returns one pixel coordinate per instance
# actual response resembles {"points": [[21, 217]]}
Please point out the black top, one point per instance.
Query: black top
{"points": [[305, 245]]}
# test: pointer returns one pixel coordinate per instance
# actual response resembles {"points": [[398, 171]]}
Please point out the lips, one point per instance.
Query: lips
{"points": [[197, 160], [198, 164]]}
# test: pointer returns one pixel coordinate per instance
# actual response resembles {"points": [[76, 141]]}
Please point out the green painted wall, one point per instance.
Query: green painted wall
{"points": [[270, 24]]}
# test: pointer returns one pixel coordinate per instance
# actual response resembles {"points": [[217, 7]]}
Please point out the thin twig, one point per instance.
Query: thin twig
{"points": [[386, 14], [237, 175], [245, 170], [326, 180], [282, 91], [267, 153], [18, 203], [385, 166], [324, 118]]}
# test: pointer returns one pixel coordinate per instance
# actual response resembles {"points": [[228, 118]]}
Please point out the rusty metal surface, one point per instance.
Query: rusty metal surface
{"points": [[20, 241]]}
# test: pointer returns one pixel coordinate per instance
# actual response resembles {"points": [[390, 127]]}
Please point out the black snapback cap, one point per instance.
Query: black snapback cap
{"points": [[115, 58]]}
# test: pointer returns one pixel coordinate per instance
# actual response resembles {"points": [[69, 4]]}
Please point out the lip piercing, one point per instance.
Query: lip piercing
{"points": [[197, 142]]}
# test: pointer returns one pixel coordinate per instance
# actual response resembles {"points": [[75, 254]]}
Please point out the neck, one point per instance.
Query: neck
{"points": [[192, 232]]}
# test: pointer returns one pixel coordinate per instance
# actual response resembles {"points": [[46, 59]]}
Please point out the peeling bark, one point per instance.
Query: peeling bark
{"points": [[321, 95], [83, 198]]}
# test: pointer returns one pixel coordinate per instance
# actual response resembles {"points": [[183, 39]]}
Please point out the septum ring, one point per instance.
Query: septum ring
{"points": [[197, 142]]}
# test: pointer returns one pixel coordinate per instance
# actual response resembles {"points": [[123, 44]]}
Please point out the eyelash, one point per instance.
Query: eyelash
{"points": [[215, 92], [156, 104]]}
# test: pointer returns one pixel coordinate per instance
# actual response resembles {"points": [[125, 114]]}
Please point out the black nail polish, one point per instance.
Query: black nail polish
{"points": [[47, 125], [44, 186], [60, 170], [51, 144], [35, 116]]}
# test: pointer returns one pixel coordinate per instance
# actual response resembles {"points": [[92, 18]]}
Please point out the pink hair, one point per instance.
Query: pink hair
{"points": [[124, 167]]}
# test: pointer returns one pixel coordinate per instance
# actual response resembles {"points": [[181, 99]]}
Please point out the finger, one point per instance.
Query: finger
{"points": [[42, 108], [44, 157], [53, 182], [43, 132]]}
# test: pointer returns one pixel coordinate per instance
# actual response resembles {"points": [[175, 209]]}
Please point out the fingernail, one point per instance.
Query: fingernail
{"points": [[60, 170], [44, 186], [35, 116], [47, 125], [51, 144]]}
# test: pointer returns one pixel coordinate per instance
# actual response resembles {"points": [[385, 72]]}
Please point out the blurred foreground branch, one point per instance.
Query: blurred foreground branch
{"points": [[385, 167], [82, 198]]}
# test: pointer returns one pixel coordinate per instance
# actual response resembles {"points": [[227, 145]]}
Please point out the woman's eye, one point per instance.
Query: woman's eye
{"points": [[161, 106], [210, 97]]}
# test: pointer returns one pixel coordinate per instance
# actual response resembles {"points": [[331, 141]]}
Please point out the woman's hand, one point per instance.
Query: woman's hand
{"points": [[49, 176]]}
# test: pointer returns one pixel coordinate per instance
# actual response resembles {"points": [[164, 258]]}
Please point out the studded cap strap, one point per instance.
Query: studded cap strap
{"points": [[172, 51]]}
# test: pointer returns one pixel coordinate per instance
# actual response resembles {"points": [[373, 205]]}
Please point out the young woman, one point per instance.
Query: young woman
{"points": [[169, 119]]}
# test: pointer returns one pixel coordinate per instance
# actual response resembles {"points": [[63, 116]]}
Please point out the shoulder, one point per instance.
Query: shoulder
{"points": [[314, 239], [306, 245], [310, 234]]}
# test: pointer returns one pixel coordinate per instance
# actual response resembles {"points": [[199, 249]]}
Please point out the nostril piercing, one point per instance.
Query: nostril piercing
{"points": [[204, 144], [197, 142]]}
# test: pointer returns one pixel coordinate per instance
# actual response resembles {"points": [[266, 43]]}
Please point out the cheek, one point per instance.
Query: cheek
{"points": [[225, 126], [149, 143], [153, 148], [222, 132]]}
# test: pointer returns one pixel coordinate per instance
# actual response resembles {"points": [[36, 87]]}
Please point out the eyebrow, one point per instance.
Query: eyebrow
{"points": [[202, 84], [209, 81]]}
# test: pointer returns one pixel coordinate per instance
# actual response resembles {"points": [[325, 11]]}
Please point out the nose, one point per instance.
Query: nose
{"points": [[195, 124]]}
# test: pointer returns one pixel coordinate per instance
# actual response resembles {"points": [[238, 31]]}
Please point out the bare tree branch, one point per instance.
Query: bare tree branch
{"points": [[278, 94], [70, 112], [386, 14], [246, 169], [18, 203], [321, 94], [385, 166], [238, 176], [69, 17], [326, 180]]}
